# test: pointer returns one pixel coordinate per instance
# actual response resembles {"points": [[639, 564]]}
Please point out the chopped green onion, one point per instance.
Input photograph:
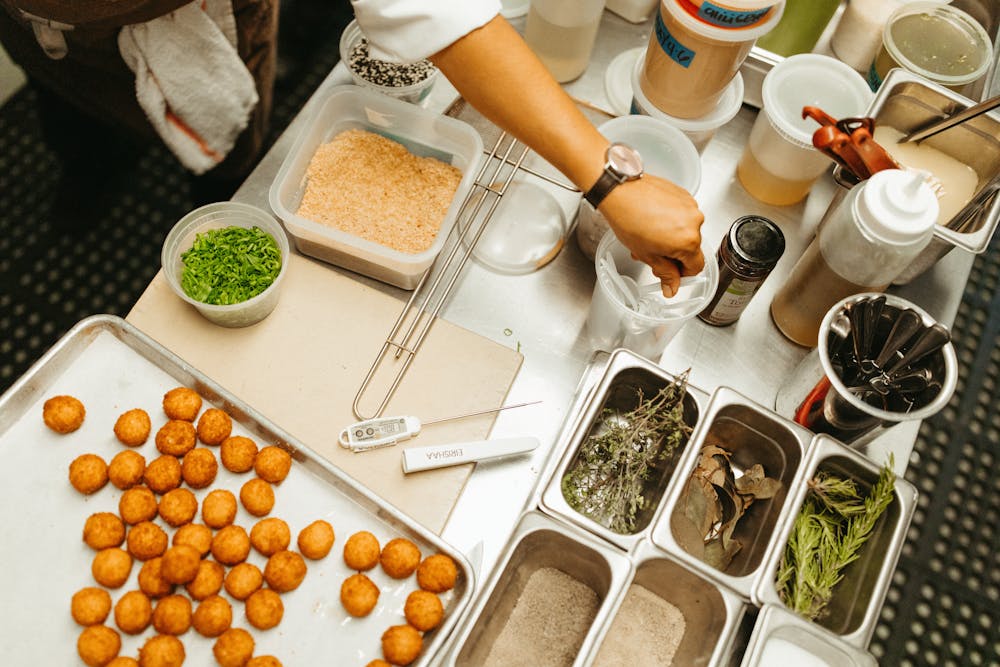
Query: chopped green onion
{"points": [[230, 265]]}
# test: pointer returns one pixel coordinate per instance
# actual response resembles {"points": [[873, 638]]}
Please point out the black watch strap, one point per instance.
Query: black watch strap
{"points": [[604, 185]]}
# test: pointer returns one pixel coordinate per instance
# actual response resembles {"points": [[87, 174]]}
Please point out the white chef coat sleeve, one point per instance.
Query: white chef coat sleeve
{"points": [[410, 30]]}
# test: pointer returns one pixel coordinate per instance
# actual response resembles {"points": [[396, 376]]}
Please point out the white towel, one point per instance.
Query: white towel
{"points": [[190, 80]]}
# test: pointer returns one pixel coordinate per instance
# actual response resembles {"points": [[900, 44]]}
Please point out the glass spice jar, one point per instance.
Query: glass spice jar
{"points": [[746, 256]]}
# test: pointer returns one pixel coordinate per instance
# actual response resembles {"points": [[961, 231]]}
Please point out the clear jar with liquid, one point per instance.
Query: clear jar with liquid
{"points": [[562, 34]]}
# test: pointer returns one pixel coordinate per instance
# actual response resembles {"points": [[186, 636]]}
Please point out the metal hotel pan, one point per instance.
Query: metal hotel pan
{"points": [[624, 372], [112, 367], [858, 597], [775, 622], [752, 434]]}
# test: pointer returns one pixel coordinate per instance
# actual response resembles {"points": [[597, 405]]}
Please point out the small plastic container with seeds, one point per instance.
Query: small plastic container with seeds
{"points": [[410, 82]]}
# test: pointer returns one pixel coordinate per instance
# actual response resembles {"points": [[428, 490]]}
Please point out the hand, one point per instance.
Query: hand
{"points": [[661, 224]]}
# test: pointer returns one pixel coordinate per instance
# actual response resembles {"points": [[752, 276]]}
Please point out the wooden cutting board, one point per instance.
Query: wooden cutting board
{"points": [[302, 366]]}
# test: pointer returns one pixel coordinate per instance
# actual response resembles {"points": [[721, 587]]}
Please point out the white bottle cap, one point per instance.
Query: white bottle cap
{"points": [[897, 206]]}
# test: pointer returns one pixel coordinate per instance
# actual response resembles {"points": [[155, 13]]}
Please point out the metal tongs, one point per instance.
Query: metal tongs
{"points": [[850, 142]]}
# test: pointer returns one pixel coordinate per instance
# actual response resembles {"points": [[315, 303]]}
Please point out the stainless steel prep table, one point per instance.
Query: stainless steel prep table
{"points": [[544, 312]]}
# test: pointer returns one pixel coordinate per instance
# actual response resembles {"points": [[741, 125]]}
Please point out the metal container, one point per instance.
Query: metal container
{"points": [[854, 609], [615, 391], [752, 434], [777, 623]]}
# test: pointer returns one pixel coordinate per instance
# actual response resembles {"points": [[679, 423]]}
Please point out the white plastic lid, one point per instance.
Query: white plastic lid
{"points": [[729, 35], [897, 206]]}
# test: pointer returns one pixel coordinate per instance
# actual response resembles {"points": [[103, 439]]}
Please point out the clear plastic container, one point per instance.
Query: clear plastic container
{"points": [[414, 93], [218, 216], [562, 34], [423, 132]]}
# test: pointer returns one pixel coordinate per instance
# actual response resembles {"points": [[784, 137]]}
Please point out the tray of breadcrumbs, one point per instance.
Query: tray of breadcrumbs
{"points": [[151, 516]]}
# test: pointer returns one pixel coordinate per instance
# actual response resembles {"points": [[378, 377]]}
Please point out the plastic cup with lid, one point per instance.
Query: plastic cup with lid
{"points": [[779, 164], [411, 82]]}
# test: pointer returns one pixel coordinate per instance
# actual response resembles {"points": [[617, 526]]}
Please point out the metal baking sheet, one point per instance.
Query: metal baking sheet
{"points": [[112, 367]]}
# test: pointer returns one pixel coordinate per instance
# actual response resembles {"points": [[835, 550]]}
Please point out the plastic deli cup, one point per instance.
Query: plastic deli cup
{"points": [[730, 13], [410, 82], [689, 63], [779, 164]]}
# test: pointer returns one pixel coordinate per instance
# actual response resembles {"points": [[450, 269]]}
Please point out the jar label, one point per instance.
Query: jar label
{"points": [[724, 17], [676, 51], [736, 297]]}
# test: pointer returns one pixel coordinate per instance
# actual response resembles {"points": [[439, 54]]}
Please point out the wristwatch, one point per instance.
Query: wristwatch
{"points": [[621, 163]]}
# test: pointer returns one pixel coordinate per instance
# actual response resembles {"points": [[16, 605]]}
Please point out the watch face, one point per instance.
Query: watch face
{"points": [[625, 160]]}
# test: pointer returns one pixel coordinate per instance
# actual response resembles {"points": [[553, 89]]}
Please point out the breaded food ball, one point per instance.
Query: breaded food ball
{"points": [[269, 536], [180, 564], [63, 414], [132, 427], [146, 540], [103, 530], [212, 617], [316, 540], [214, 426], [126, 469], [243, 580], [437, 573], [218, 509], [176, 438], [123, 661], [98, 645], [264, 609], [264, 661], [207, 581], [284, 571], [163, 474], [257, 497], [194, 535], [401, 644], [358, 594], [133, 612], [233, 648], [111, 567], [238, 453], [399, 558], [199, 468], [151, 581], [378, 662], [137, 504], [172, 615], [88, 473], [182, 403], [231, 545], [423, 610], [273, 464], [162, 651], [178, 506], [90, 605], [361, 551]]}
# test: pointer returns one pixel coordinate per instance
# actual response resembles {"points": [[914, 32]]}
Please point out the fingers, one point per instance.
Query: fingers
{"points": [[667, 270]]}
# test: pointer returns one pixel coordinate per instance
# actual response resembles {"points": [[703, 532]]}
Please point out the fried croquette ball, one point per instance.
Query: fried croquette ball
{"points": [[199, 468], [172, 615], [378, 662], [178, 507], [238, 453], [126, 469], [361, 551], [399, 558], [163, 474], [123, 661], [284, 571], [233, 648], [180, 564], [182, 403], [162, 651], [243, 580], [194, 535], [231, 545], [207, 581], [437, 573], [316, 540], [103, 530], [151, 581], [133, 612], [136, 505], [176, 438], [358, 594], [218, 509], [212, 617], [269, 536], [214, 426], [264, 609], [132, 427], [63, 414], [257, 497], [88, 473], [423, 610], [146, 540], [111, 567], [90, 606], [98, 645], [272, 464], [264, 661], [401, 644]]}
